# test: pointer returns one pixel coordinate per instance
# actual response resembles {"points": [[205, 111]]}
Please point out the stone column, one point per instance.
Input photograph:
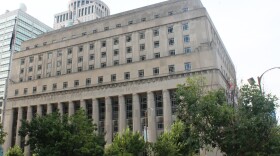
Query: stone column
{"points": [[18, 138], [136, 113], [71, 108], [122, 114], [60, 108], [152, 130], [167, 110], [108, 121], [95, 112], [28, 118], [83, 105], [39, 110], [49, 108], [8, 124]]}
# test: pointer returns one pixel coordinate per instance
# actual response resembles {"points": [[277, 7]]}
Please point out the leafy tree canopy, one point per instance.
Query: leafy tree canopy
{"points": [[14, 151]]}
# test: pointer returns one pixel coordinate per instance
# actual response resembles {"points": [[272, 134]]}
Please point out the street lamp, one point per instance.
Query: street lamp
{"points": [[252, 81]]}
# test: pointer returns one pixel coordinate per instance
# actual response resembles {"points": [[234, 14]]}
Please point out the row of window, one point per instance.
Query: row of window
{"points": [[141, 74]]}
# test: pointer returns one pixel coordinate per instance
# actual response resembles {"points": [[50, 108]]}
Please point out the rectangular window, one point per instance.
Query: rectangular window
{"points": [[185, 26], [29, 78], [69, 51], [34, 89], [80, 69], [187, 50], [128, 38], [91, 67], [141, 73], [103, 54], [103, 44], [116, 41], [156, 44], [171, 41], [25, 90], [127, 75], [91, 46], [116, 62], [100, 79], [21, 70], [130, 22], [88, 81], [16, 92], [103, 65], [22, 61], [142, 57], [44, 88], [171, 69], [58, 73], [188, 66], [185, 9], [80, 59], [65, 85], [49, 55], [69, 71], [31, 59], [91, 57], [118, 25], [94, 31], [156, 32], [143, 19], [54, 86], [170, 13], [129, 60], [113, 77], [49, 66], [186, 39], [59, 53], [81, 48], [170, 29], [142, 35], [30, 69], [156, 71], [38, 76], [142, 47], [172, 52], [58, 63], [116, 52], [106, 28], [76, 83], [157, 55], [69, 61], [40, 57], [128, 49], [156, 16]]}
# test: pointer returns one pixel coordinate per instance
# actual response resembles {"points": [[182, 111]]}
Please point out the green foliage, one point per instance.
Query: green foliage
{"points": [[127, 143], [14, 151], [248, 129], [178, 142], [54, 134], [2, 134]]}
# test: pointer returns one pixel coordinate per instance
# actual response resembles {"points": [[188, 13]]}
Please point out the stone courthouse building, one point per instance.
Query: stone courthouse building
{"points": [[117, 68]]}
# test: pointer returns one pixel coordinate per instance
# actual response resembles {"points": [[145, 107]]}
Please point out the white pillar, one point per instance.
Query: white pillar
{"points": [[28, 118], [167, 110], [108, 121], [122, 114], [49, 108], [60, 108], [95, 112], [8, 123], [136, 113], [18, 137], [39, 110], [152, 130], [83, 105], [71, 107]]}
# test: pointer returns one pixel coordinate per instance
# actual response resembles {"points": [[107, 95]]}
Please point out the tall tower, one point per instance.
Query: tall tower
{"points": [[26, 27], [81, 11]]}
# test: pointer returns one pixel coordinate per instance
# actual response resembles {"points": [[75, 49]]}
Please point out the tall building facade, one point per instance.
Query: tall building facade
{"points": [[118, 68], [27, 27], [81, 11]]}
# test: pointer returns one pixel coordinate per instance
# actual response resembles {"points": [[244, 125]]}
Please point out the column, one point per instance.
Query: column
{"points": [[60, 108], [8, 123], [152, 130], [95, 112], [136, 113], [18, 138], [49, 108], [29, 118], [108, 121], [39, 110], [71, 108], [83, 105], [167, 110], [122, 114]]}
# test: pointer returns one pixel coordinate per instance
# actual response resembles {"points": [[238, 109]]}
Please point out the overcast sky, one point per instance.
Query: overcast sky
{"points": [[250, 30]]}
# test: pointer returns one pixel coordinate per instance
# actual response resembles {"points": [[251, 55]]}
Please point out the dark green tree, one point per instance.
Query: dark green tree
{"points": [[248, 129], [127, 143], [56, 135], [2, 134]]}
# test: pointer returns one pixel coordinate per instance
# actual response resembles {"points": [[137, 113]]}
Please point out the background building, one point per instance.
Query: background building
{"points": [[81, 11], [27, 27], [118, 68]]}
